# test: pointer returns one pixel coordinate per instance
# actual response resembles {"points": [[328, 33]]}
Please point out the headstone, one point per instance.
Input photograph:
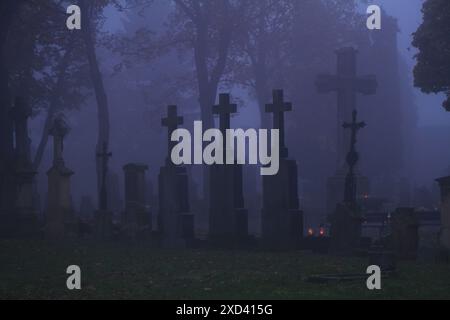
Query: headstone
{"points": [[228, 218], [444, 184], [103, 216], [282, 220], [347, 219], [405, 233], [136, 219], [347, 85], [26, 215], [176, 223], [60, 219]]}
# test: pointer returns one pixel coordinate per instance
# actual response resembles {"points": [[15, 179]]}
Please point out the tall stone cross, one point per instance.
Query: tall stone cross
{"points": [[224, 109], [347, 85], [278, 108], [352, 159], [172, 121], [104, 157], [59, 130]]}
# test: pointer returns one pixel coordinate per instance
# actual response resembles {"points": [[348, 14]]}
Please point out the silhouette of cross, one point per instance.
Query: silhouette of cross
{"points": [[352, 159], [347, 84], [172, 121], [278, 108], [224, 109]]}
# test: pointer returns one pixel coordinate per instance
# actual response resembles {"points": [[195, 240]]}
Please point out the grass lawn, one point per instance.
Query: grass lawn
{"points": [[37, 270]]}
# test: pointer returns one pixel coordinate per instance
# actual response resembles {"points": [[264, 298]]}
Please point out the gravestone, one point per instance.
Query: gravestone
{"points": [[176, 223], [60, 218], [103, 216], [347, 85], [26, 215], [228, 218], [405, 233], [136, 219], [346, 221], [444, 184], [281, 220]]}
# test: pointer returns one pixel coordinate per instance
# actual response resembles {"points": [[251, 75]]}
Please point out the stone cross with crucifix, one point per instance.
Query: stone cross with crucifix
{"points": [[59, 130], [172, 121], [104, 157], [59, 213], [278, 108], [347, 85], [352, 159]]}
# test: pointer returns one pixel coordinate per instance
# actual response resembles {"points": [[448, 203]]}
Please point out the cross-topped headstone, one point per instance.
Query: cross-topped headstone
{"points": [[352, 159], [278, 108], [224, 109], [347, 84], [172, 121], [104, 157]]}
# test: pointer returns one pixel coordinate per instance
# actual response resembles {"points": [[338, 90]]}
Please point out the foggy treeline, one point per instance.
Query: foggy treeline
{"points": [[114, 78]]}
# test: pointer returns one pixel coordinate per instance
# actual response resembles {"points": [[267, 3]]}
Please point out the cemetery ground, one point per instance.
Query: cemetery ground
{"points": [[37, 270]]}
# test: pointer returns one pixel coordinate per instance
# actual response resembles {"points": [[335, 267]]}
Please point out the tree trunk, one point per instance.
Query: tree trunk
{"points": [[97, 80], [8, 8]]}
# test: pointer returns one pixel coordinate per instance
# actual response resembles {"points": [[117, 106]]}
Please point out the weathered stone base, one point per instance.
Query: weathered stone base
{"points": [[335, 189], [345, 230], [282, 230]]}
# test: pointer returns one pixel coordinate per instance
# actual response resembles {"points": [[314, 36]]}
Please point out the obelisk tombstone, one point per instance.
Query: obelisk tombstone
{"points": [[26, 216], [228, 218], [59, 218], [347, 85], [176, 223], [282, 219]]}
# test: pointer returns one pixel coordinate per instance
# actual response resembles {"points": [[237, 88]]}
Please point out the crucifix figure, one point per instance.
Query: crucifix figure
{"points": [[172, 121], [59, 130], [347, 84], [278, 108], [352, 159], [224, 109], [104, 156]]}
